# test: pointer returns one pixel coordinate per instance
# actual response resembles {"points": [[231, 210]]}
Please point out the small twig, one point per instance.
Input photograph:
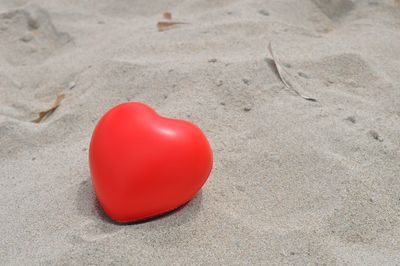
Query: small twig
{"points": [[43, 114], [165, 25], [280, 69]]}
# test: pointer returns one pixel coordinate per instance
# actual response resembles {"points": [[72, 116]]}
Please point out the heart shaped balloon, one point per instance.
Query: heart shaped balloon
{"points": [[143, 164]]}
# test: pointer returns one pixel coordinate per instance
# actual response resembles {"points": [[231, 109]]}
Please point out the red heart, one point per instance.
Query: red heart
{"points": [[143, 165]]}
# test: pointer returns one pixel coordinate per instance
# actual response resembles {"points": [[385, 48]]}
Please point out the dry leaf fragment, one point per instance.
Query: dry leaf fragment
{"points": [[283, 75], [43, 114], [165, 25], [167, 15]]}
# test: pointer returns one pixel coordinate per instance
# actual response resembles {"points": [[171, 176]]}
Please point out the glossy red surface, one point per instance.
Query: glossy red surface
{"points": [[144, 165]]}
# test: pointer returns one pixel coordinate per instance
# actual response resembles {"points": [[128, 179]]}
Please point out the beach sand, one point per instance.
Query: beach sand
{"points": [[294, 181]]}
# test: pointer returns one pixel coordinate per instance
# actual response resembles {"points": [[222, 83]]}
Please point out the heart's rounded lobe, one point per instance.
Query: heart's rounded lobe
{"points": [[144, 165]]}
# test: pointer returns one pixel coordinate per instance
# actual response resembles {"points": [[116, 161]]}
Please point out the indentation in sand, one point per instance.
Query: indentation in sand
{"points": [[347, 69], [334, 9], [99, 225], [362, 218], [28, 36], [128, 8]]}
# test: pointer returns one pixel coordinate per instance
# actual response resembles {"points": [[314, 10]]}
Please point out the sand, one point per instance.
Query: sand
{"points": [[294, 181]]}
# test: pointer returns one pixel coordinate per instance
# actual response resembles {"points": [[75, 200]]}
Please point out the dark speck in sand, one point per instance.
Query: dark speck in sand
{"points": [[375, 135], [287, 65], [263, 12], [240, 188], [26, 38], [247, 109], [351, 119], [303, 75]]}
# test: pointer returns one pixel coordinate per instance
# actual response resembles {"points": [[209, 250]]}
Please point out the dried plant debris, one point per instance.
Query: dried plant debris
{"points": [[167, 15], [46, 113], [165, 25], [284, 76]]}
